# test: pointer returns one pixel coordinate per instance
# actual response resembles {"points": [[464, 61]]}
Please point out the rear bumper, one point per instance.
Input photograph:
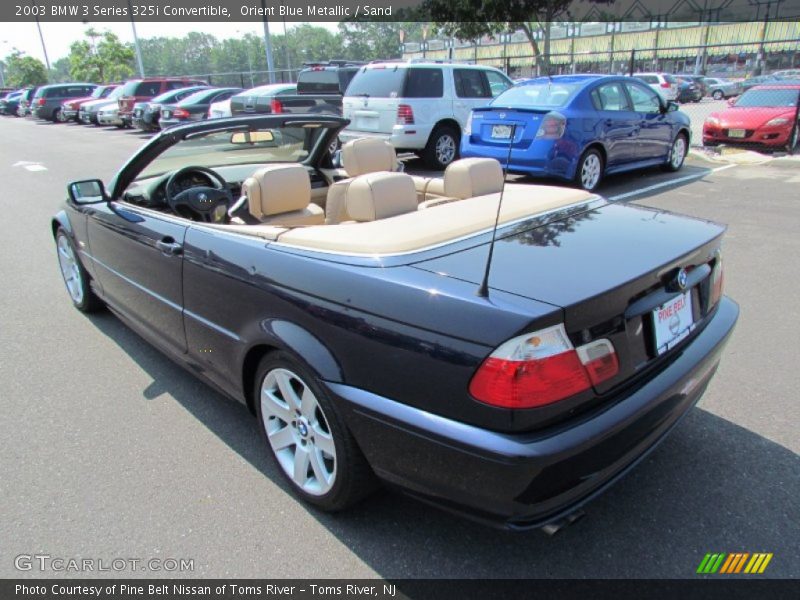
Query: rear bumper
{"points": [[521, 481], [404, 137], [546, 158], [69, 113]]}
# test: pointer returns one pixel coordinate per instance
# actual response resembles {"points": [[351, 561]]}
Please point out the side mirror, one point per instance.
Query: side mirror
{"points": [[88, 191], [671, 106]]}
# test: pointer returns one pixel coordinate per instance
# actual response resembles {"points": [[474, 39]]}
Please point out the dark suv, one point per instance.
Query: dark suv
{"points": [[48, 98], [330, 77], [142, 90]]}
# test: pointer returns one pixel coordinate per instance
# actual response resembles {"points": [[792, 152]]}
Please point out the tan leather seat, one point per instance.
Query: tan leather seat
{"points": [[359, 157], [465, 178], [379, 196], [281, 195]]}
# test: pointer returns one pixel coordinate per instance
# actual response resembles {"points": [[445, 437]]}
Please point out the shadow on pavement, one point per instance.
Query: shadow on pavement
{"points": [[712, 486]]}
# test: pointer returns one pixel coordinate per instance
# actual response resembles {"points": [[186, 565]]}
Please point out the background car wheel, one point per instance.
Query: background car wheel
{"points": [[76, 279], [590, 170], [442, 148], [58, 116], [307, 437], [718, 95], [677, 153]]}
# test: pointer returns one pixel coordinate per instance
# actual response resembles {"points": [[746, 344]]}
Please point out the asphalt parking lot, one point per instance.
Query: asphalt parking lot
{"points": [[111, 451]]}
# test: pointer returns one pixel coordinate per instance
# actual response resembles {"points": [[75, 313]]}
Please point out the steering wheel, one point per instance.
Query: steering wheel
{"points": [[203, 203]]}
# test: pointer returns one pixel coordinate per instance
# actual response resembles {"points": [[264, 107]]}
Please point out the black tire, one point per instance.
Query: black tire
{"points": [[58, 116], [717, 95], [433, 156], [671, 165], [353, 479], [88, 301], [585, 158]]}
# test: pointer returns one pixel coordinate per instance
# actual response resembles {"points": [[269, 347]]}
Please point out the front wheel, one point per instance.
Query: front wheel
{"points": [[677, 153], [58, 116], [76, 279], [442, 148], [718, 95], [590, 170], [307, 436]]}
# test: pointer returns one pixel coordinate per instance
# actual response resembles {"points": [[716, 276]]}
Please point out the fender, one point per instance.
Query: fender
{"points": [[306, 347], [62, 220]]}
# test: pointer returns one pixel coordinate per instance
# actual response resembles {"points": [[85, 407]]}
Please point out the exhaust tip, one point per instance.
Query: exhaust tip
{"points": [[553, 528]]}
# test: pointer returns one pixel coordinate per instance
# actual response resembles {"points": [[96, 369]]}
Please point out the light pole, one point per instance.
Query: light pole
{"points": [[41, 38], [136, 42], [268, 45]]}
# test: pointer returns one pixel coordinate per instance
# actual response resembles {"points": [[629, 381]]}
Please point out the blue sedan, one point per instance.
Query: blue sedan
{"points": [[579, 128]]}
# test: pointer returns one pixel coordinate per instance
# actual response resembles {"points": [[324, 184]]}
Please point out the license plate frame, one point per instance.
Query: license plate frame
{"points": [[737, 133], [501, 132], [673, 321]]}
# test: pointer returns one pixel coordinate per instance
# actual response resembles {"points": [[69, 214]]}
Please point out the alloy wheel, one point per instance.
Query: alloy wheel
{"points": [[298, 431], [590, 171], [678, 152], [445, 149], [70, 270]]}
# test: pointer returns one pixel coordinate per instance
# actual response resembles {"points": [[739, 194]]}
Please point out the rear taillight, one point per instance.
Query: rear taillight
{"points": [[717, 281], [540, 368], [276, 106], [552, 126], [665, 85], [180, 113], [40, 102], [405, 114]]}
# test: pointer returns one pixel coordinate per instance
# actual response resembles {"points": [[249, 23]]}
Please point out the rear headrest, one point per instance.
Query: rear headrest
{"points": [[380, 195], [368, 155], [277, 189], [470, 177]]}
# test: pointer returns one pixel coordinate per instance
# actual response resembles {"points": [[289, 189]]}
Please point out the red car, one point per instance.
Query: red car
{"points": [[142, 90], [70, 108], [765, 115]]}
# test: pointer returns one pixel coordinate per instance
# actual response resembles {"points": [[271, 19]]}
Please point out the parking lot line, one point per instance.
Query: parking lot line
{"points": [[669, 183]]}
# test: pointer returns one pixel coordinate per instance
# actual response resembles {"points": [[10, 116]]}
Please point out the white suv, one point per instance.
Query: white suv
{"points": [[418, 106], [665, 84]]}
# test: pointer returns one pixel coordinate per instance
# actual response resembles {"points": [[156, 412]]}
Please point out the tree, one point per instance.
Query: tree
{"points": [[472, 19], [59, 71], [104, 61], [22, 71], [374, 40]]}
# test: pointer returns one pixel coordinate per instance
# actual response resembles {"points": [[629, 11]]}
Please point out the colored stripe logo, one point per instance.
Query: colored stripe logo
{"points": [[733, 563]]}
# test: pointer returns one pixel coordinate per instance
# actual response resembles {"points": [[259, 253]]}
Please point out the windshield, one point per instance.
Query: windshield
{"points": [[538, 95], [770, 98], [221, 148]]}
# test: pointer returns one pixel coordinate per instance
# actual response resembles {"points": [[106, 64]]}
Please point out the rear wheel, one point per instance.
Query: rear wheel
{"points": [[76, 279], [442, 148], [717, 95], [677, 153], [590, 170], [58, 116], [307, 437]]}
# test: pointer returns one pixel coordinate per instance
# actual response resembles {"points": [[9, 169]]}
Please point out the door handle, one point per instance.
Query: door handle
{"points": [[169, 246]]}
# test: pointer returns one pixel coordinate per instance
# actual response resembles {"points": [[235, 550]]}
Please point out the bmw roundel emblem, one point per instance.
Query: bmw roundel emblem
{"points": [[202, 197], [682, 279]]}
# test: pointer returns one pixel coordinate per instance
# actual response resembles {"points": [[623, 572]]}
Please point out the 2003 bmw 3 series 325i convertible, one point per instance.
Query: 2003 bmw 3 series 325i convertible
{"points": [[341, 304]]}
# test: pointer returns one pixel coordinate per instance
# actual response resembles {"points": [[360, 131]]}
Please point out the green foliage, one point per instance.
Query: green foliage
{"points": [[100, 61], [22, 71], [59, 71], [376, 40]]}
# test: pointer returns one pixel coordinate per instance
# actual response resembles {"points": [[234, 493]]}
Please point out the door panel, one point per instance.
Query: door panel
{"points": [[139, 262], [655, 130], [618, 123]]}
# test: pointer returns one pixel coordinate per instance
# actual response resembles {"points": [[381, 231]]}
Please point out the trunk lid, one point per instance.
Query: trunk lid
{"points": [[491, 126], [608, 268]]}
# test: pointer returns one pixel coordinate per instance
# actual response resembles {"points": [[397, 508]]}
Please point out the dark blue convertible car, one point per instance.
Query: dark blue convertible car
{"points": [[579, 128], [350, 308]]}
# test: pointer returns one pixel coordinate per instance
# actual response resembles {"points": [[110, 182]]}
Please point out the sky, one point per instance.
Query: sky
{"points": [[59, 36]]}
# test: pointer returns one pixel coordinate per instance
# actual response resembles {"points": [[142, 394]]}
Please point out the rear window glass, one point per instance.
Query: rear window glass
{"points": [[318, 82], [147, 88], [670, 79], [538, 95], [647, 78], [424, 83], [377, 82], [776, 98]]}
